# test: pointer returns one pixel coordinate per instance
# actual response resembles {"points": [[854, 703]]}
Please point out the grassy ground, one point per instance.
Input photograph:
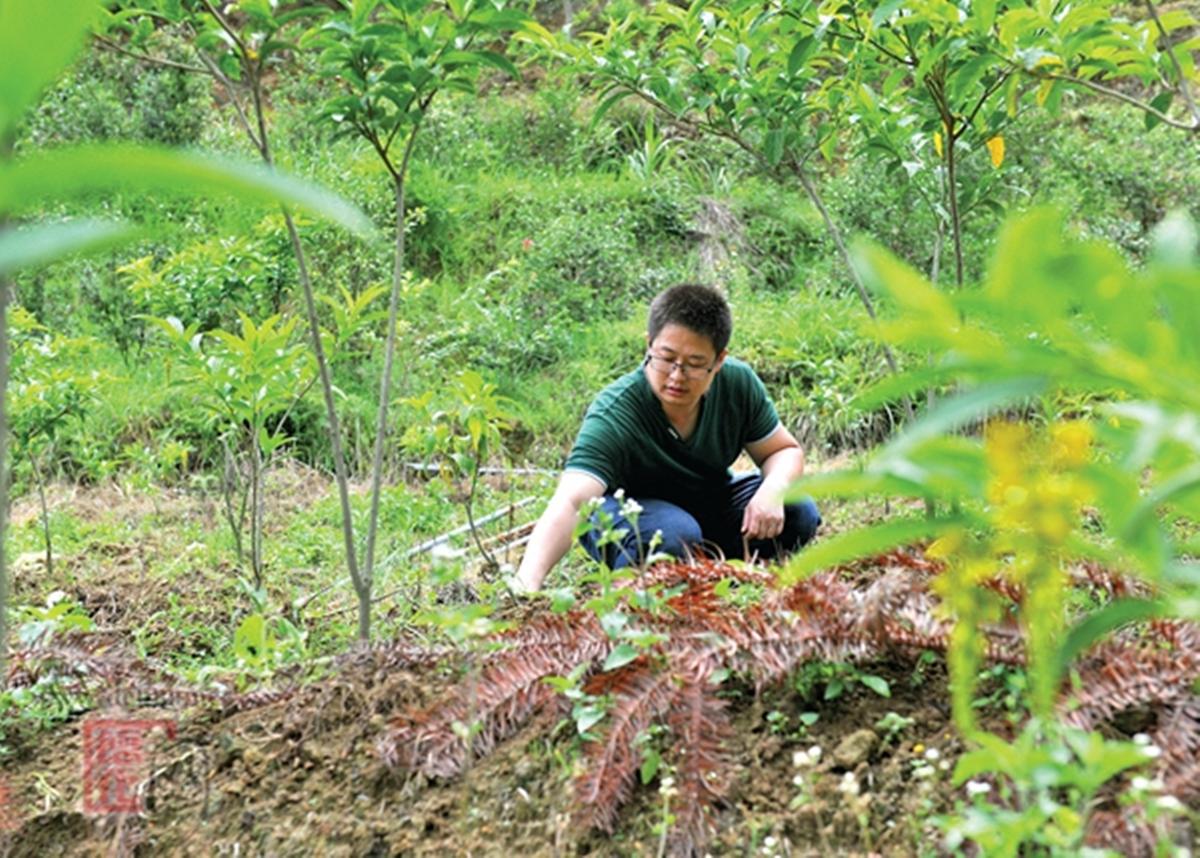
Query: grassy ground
{"points": [[153, 571]]}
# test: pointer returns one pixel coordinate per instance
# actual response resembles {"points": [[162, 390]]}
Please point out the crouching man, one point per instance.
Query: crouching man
{"points": [[664, 436]]}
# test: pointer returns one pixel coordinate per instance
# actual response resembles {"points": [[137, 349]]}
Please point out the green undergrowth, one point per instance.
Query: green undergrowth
{"points": [[535, 238]]}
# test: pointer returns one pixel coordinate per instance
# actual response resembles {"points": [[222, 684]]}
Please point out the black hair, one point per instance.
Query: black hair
{"points": [[698, 308]]}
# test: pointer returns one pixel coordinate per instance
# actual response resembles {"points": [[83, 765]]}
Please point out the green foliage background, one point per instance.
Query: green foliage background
{"points": [[533, 249]]}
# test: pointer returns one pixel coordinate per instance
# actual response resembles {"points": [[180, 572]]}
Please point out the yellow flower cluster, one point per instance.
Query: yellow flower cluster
{"points": [[1036, 487]]}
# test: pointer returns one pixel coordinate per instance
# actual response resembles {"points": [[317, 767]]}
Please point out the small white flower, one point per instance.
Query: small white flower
{"points": [[944, 766], [978, 788], [849, 785], [769, 842], [933, 754], [1169, 803], [631, 508], [1141, 739], [1139, 783], [619, 494], [1152, 751], [801, 760], [798, 780], [814, 754], [922, 772]]}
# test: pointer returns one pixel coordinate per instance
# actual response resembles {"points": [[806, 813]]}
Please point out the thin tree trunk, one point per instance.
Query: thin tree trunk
{"points": [[41, 488], [6, 288], [934, 271], [256, 469], [362, 588], [955, 224], [385, 384], [230, 487], [470, 504], [836, 234], [335, 433], [1184, 88]]}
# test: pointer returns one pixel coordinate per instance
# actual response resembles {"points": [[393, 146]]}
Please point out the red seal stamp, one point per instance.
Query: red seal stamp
{"points": [[10, 815], [114, 759]]}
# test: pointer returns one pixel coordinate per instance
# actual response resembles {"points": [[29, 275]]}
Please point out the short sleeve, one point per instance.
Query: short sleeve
{"points": [[597, 451]]}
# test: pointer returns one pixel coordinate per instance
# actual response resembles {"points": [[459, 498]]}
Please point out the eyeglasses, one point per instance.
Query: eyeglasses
{"points": [[666, 366]]}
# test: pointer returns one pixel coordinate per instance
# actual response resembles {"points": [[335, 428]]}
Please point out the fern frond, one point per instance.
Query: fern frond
{"points": [[1123, 834], [1178, 735], [640, 697], [1117, 677], [438, 740], [702, 731]]}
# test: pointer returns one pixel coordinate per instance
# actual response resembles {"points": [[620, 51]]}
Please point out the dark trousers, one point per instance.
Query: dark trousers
{"points": [[715, 532]]}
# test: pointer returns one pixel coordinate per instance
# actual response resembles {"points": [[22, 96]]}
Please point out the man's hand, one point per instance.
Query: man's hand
{"points": [[552, 535], [763, 518], [782, 461]]}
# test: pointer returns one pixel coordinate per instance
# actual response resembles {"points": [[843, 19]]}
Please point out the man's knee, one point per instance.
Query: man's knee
{"points": [[678, 528], [800, 522], [680, 531]]}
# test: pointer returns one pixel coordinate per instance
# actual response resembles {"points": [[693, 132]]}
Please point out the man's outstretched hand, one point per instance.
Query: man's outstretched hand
{"points": [[763, 518]]}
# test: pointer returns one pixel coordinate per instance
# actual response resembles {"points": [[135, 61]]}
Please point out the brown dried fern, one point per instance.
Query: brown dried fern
{"points": [[824, 617], [438, 741], [640, 697], [702, 761]]}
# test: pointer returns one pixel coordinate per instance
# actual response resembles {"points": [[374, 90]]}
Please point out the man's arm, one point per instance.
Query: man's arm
{"points": [[781, 459], [552, 535]]}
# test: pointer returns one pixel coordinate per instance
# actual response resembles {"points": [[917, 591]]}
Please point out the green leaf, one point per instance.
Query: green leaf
{"points": [[1102, 621], [620, 656], [269, 442], [77, 170], [498, 61], [884, 11], [962, 409], [607, 104], [983, 15], [741, 57], [802, 50], [28, 247], [863, 543], [877, 684], [250, 642], [37, 42], [987, 759], [773, 148], [884, 273], [895, 387], [1160, 103], [650, 763], [587, 716]]}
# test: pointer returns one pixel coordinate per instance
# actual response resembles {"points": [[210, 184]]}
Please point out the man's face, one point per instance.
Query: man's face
{"points": [[678, 366]]}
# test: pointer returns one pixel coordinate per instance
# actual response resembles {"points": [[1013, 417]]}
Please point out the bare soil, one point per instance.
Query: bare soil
{"points": [[302, 778]]}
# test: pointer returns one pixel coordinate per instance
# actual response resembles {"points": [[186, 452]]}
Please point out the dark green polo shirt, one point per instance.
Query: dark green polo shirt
{"points": [[626, 440]]}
